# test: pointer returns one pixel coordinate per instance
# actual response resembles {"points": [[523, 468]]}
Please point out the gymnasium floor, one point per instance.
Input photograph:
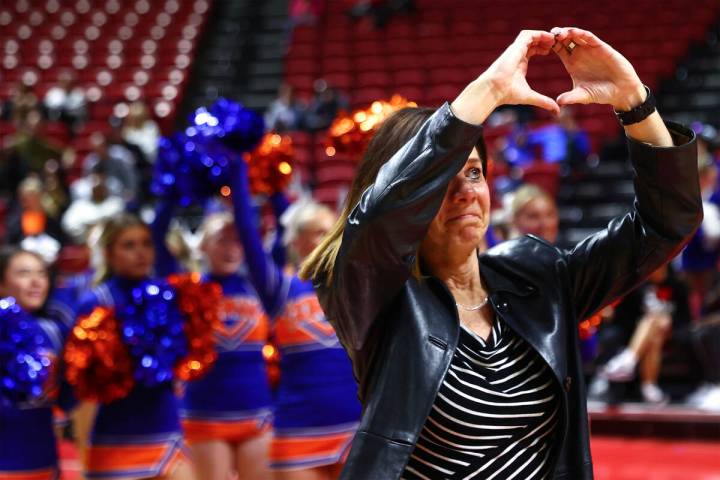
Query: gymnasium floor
{"points": [[615, 458]]}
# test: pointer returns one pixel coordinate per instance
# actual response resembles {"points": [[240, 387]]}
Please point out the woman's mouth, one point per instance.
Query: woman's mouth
{"points": [[463, 216]]}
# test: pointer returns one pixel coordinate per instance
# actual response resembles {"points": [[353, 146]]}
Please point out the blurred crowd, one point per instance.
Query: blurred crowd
{"points": [[638, 349], [52, 193]]}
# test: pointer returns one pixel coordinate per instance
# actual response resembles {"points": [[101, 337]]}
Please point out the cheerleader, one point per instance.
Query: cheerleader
{"points": [[137, 435], [26, 424], [316, 405], [227, 415]]}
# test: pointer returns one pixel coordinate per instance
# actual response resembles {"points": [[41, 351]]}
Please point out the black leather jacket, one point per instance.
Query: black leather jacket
{"points": [[401, 331]]}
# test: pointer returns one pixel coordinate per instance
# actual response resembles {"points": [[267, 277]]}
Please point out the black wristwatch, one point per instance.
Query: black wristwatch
{"points": [[639, 113]]}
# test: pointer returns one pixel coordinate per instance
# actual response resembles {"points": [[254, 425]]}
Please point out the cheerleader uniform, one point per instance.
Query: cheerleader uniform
{"points": [[29, 450], [232, 402], [138, 436], [316, 405], [316, 409]]}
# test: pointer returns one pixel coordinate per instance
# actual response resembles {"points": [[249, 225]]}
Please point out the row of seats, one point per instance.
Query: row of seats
{"points": [[430, 55], [120, 51]]}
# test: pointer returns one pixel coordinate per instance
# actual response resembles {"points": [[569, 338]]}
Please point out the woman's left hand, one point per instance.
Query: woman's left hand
{"points": [[600, 74]]}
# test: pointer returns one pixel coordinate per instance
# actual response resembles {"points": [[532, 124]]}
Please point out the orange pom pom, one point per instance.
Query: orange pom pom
{"points": [[270, 164], [198, 303], [98, 364], [350, 134]]}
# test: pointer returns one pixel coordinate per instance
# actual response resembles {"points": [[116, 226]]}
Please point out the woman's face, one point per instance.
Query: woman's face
{"points": [[223, 251], [132, 254], [538, 217], [312, 233], [26, 279], [464, 215]]}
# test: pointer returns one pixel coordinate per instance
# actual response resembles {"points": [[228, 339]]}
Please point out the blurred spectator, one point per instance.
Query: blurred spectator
{"points": [[285, 112], [700, 258], [643, 321], [707, 140], [324, 107], [66, 101], [143, 167], [85, 213], [21, 102], [141, 130], [29, 225], [516, 149], [706, 343], [380, 10], [26, 152], [305, 12], [56, 197], [119, 165], [564, 141], [534, 212]]}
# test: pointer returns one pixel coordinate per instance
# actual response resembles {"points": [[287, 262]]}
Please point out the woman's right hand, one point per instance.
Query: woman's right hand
{"points": [[505, 82]]}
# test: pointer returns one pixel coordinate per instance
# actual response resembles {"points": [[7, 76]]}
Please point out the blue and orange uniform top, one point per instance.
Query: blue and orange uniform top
{"points": [[232, 402], [138, 436], [28, 446]]}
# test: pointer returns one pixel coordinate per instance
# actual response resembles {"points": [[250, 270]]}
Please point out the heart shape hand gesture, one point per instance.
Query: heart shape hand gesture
{"points": [[599, 73]]}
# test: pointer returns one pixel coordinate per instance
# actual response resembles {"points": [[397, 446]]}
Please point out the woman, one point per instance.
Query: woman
{"points": [[534, 212], [468, 363], [26, 429], [138, 436], [227, 415], [316, 407]]}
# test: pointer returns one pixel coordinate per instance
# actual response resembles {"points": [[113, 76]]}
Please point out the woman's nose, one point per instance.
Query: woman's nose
{"points": [[463, 190]]}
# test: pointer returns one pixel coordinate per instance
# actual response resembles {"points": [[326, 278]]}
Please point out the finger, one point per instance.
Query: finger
{"points": [[586, 36], [578, 35], [559, 33], [535, 37], [538, 50], [575, 96], [563, 49], [538, 100]]}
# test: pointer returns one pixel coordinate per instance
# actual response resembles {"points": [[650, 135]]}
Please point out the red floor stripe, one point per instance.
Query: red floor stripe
{"points": [[618, 458]]}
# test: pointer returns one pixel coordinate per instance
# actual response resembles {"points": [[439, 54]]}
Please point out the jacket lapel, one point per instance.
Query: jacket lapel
{"points": [[518, 301]]}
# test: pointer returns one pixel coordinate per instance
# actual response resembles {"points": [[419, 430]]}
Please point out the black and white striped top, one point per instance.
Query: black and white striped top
{"points": [[495, 416]]}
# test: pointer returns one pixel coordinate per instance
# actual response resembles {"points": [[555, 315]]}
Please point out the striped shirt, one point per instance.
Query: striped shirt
{"points": [[495, 416]]}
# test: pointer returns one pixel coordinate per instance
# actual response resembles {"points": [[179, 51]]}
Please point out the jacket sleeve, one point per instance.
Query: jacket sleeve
{"points": [[384, 230], [666, 211]]}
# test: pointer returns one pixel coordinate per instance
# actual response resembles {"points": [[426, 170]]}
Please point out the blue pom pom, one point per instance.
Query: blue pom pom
{"points": [[25, 355], [153, 331], [241, 129], [193, 165]]}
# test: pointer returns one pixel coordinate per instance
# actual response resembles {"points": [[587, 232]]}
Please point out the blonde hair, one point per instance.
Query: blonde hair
{"points": [[213, 224], [31, 184], [526, 194], [111, 230], [298, 215]]}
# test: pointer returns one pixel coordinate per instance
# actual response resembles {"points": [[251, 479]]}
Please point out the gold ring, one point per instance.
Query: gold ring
{"points": [[570, 47]]}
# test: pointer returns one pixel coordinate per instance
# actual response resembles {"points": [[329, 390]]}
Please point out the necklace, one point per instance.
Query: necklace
{"points": [[472, 308]]}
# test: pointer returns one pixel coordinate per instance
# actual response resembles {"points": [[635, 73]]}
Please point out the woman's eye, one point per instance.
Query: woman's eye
{"points": [[474, 173]]}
